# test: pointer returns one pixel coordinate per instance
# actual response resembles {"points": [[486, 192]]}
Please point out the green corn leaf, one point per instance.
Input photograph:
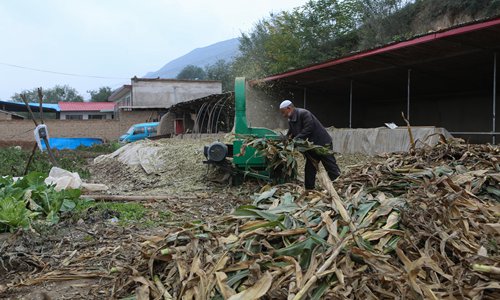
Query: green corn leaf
{"points": [[236, 278], [297, 248], [363, 210], [320, 290]]}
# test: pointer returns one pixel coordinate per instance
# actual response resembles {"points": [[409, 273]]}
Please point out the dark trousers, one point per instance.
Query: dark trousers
{"points": [[328, 161]]}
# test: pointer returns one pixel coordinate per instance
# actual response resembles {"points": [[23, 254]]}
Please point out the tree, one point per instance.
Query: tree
{"points": [[56, 94], [191, 72], [101, 95], [223, 71], [306, 35], [384, 21], [327, 29]]}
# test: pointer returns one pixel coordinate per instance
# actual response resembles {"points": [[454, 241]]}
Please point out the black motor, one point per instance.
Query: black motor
{"points": [[216, 152]]}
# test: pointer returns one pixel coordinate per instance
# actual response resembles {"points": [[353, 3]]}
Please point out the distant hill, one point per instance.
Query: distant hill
{"points": [[200, 57]]}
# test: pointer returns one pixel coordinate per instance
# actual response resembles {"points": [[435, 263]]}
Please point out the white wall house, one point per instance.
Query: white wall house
{"points": [[162, 93]]}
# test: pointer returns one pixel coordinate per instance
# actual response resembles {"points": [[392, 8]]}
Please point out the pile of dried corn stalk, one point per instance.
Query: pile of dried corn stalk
{"points": [[419, 226], [282, 154]]}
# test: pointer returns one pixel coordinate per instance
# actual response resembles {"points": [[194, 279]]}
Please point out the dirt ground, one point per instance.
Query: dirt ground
{"points": [[79, 257]]}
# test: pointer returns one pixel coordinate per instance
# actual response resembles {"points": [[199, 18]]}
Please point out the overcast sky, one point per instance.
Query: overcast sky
{"points": [[117, 39]]}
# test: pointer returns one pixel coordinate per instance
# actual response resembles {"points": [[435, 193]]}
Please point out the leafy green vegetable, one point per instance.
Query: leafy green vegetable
{"points": [[13, 214], [21, 201]]}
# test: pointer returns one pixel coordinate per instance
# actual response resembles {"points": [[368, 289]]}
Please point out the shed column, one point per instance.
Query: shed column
{"points": [[350, 105], [408, 96], [494, 96], [305, 97]]}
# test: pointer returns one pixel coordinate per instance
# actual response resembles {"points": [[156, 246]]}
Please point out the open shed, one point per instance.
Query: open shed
{"points": [[445, 79]]}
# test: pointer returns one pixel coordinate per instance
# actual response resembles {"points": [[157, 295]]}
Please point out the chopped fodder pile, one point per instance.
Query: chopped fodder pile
{"points": [[417, 226], [173, 165]]}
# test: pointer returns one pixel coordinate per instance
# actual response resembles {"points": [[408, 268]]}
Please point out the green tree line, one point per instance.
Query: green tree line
{"points": [[63, 93], [327, 29]]}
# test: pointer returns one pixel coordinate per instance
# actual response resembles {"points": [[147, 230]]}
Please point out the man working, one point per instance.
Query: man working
{"points": [[304, 125]]}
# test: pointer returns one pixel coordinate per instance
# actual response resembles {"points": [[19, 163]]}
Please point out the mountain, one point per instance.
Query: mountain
{"points": [[200, 57]]}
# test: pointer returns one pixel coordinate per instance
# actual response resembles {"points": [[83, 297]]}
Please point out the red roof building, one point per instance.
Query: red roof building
{"points": [[87, 110], [87, 106]]}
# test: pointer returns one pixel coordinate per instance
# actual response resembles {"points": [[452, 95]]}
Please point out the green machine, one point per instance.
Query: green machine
{"points": [[247, 162]]}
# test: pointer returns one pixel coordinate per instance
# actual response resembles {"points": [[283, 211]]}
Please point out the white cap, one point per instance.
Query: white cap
{"points": [[285, 104]]}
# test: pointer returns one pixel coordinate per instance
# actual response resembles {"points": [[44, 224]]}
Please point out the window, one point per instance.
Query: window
{"points": [[74, 117], [96, 117], [127, 101], [152, 129], [139, 130], [130, 130]]}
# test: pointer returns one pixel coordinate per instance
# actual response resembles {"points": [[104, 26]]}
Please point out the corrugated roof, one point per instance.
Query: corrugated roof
{"points": [[120, 92], [20, 106], [86, 106]]}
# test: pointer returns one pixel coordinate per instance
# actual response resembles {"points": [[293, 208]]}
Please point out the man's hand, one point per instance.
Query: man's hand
{"points": [[284, 138]]}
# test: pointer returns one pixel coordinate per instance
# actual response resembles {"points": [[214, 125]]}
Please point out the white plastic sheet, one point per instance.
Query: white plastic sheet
{"points": [[64, 179], [146, 154], [380, 140]]}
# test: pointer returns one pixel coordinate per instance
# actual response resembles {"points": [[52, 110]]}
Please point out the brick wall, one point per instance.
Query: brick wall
{"points": [[5, 116], [139, 116], [22, 130], [108, 130]]}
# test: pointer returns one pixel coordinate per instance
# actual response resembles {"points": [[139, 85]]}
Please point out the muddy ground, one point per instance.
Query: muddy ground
{"points": [[86, 255]]}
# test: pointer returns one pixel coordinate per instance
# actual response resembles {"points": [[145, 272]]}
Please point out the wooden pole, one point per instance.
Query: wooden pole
{"points": [[40, 101], [45, 139], [29, 109], [30, 158], [119, 198]]}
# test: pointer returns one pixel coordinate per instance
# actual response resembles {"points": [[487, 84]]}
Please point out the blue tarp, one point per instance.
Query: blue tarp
{"points": [[71, 143]]}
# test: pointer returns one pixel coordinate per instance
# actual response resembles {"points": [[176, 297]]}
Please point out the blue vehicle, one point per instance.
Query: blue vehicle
{"points": [[139, 132]]}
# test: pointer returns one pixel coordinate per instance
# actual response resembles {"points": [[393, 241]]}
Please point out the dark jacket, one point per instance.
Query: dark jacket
{"points": [[304, 125]]}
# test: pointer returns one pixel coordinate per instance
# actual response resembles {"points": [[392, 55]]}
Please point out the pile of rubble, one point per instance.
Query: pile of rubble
{"points": [[419, 225]]}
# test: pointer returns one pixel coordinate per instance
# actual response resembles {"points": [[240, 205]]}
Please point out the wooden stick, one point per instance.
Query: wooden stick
{"points": [[23, 96], [30, 158], [46, 140], [40, 102], [323, 268], [51, 155], [133, 197]]}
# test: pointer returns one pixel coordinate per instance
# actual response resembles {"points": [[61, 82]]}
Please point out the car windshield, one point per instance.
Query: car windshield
{"points": [[130, 130]]}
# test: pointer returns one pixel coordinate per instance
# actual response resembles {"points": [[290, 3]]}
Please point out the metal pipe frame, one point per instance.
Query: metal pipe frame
{"points": [[223, 105]]}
